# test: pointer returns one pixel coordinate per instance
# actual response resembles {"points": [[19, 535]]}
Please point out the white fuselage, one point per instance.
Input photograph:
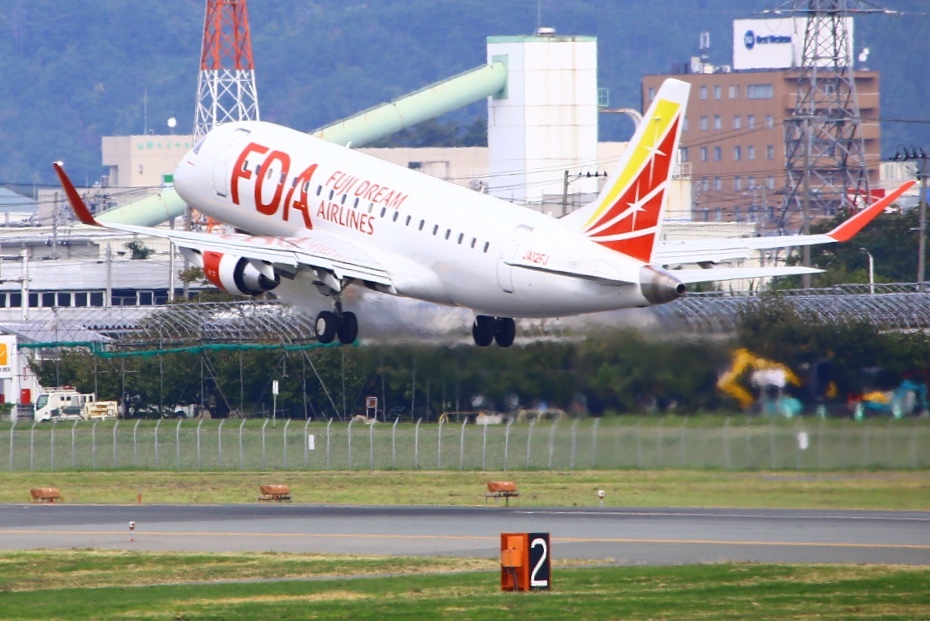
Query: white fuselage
{"points": [[438, 241]]}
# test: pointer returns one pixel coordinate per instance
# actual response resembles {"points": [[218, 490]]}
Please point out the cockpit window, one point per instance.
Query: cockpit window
{"points": [[199, 144]]}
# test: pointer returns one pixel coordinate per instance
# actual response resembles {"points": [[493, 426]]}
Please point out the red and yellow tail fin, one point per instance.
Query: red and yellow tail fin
{"points": [[626, 215]]}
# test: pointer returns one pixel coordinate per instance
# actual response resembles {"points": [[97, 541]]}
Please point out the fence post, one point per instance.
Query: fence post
{"points": [[865, 444], [820, 433], [12, 427], [439, 446], [288, 422], [198, 443], [241, 452], [682, 447], [772, 442], [529, 441], [597, 422], [394, 443], [32, 446], [52, 455], [552, 441], [726, 442], [265, 424], [660, 459], [371, 444], [484, 446], [73, 452], [115, 425], [351, 420], [328, 425], [639, 445], [462, 445], [219, 444], [506, 443], [157, 423], [843, 443], [93, 443], [913, 446], [306, 441], [416, 445], [135, 450], [574, 433], [177, 444]]}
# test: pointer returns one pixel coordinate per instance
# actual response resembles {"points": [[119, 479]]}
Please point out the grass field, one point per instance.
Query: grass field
{"points": [[102, 585], [895, 490]]}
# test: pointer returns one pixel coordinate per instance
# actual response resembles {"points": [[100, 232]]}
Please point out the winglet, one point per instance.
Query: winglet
{"points": [[80, 209], [851, 227]]}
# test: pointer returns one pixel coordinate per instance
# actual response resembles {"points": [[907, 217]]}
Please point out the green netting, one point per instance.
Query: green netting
{"points": [[98, 348]]}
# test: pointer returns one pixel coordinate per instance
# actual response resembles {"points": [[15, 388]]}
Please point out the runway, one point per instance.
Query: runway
{"points": [[609, 535]]}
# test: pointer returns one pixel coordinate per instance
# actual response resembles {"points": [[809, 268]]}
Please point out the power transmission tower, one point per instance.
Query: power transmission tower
{"points": [[825, 158], [226, 85]]}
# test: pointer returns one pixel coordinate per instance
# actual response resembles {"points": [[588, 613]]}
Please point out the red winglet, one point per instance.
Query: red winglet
{"points": [[80, 209], [848, 229]]}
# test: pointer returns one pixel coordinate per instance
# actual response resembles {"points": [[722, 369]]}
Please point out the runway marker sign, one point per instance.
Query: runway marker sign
{"points": [[526, 562]]}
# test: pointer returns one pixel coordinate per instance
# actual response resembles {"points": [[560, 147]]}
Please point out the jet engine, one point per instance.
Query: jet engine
{"points": [[659, 286], [238, 275]]}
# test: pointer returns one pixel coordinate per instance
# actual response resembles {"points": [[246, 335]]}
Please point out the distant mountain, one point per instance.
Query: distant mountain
{"points": [[75, 71]]}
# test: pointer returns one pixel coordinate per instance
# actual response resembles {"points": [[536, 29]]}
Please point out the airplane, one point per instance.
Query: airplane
{"points": [[323, 217]]}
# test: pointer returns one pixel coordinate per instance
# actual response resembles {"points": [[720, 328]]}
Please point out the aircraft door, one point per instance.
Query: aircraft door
{"points": [[508, 250], [227, 153]]}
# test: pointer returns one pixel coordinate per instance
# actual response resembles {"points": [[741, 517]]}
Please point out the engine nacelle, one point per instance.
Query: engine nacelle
{"points": [[236, 275]]}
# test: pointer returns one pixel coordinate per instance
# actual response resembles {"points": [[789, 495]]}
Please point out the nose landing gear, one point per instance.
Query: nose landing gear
{"points": [[500, 329]]}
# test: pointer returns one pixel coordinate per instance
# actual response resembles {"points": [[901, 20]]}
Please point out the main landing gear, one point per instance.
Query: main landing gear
{"points": [[330, 325], [487, 329]]}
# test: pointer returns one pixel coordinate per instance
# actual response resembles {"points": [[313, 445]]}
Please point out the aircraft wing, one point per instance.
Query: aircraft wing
{"points": [[323, 252], [724, 249]]}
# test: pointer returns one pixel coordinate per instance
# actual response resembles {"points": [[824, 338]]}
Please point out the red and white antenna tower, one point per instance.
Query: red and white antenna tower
{"points": [[226, 86]]}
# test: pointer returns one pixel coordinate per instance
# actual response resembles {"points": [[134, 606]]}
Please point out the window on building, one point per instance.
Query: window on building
{"points": [[652, 94], [718, 183], [769, 152], [737, 153], [750, 183], [683, 151], [770, 182], [769, 121], [703, 92], [703, 123], [718, 154], [717, 90], [760, 91], [750, 152], [737, 122], [751, 121], [737, 183], [703, 154], [733, 91], [704, 185], [684, 125], [718, 124]]}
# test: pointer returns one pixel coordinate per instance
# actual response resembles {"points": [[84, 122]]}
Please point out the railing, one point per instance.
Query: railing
{"points": [[737, 443]]}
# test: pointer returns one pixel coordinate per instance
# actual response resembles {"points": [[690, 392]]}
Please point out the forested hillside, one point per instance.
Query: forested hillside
{"points": [[75, 71]]}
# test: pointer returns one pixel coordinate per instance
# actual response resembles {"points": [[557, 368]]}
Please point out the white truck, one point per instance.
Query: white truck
{"points": [[66, 403]]}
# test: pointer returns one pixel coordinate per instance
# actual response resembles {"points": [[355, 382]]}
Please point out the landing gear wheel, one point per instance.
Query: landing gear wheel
{"points": [[325, 326], [505, 331], [483, 330], [348, 328]]}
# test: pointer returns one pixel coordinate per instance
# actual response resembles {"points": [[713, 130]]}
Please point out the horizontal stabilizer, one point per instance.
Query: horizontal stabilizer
{"points": [[738, 273]]}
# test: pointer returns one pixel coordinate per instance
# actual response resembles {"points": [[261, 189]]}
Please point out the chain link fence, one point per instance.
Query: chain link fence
{"points": [[568, 444]]}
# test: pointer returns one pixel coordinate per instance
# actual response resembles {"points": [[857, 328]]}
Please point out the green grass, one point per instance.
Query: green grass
{"points": [[908, 490], [94, 585]]}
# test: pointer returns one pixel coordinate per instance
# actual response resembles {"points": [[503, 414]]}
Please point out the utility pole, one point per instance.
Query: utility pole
{"points": [[917, 154]]}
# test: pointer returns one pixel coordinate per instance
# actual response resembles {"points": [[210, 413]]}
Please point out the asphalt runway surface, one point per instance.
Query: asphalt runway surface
{"points": [[604, 535]]}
